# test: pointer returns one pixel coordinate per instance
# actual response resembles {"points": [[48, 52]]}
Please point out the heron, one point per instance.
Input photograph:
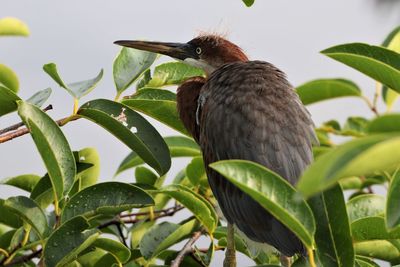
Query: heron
{"points": [[242, 109]]}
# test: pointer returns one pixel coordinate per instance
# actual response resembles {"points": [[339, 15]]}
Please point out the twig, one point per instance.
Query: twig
{"points": [[186, 249], [24, 258], [7, 137], [371, 106], [20, 124], [121, 234], [168, 210], [161, 214]]}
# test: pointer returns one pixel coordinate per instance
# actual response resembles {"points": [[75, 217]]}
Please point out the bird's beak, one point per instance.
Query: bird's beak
{"points": [[180, 51]]}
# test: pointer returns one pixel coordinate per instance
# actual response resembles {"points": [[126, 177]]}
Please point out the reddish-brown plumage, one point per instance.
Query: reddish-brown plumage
{"points": [[187, 96]]}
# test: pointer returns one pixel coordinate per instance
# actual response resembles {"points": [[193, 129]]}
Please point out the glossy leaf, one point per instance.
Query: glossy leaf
{"points": [[129, 65], [393, 198], [194, 202], [30, 212], [13, 26], [145, 176], [138, 230], [132, 129], [392, 42], [195, 171], [158, 104], [351, 159], [379, 249], [113, 247], [355, 126], [365, 262], [248, 3], [106, 260], [39, 98], [366, 205], [8, 101], [332, 237], [65, 243], [88, 177], [146, 77], [8, 217], [25, 182], [385, 123], [325, 89], [274, 193], [8, 78], [377, 62], [52, 146], [97, 200], [164, 235], [179, 146], [76, 89], [173, 73], [371, 228]]}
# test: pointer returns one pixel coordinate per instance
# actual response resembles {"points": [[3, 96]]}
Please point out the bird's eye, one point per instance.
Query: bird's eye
{"points": [[198, 50]]}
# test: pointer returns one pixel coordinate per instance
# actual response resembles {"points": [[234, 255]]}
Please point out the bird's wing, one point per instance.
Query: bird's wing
{"points": [[251, 112]]}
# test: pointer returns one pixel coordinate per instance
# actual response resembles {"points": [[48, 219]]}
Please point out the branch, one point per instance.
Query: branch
{"points": [[7, 137], [186, 249], [161, 214], [24, 258], [20, 124]]}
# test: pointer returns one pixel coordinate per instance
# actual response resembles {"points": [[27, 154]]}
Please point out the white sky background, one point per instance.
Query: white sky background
{"points": [[78, 36]]}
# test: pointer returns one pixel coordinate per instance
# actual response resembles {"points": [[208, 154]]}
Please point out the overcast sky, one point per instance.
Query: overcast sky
{"points": [[78, 36]]}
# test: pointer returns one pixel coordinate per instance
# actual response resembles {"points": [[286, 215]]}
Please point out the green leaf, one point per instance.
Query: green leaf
{"points": [[65, 243], [377, 62], [8, 217], [366, 205], [248, 3], [158, 104], [89, 259], [76, 89], [355, 126], [393, 197], [25, 182], [30, 212], [351, 159], [274, 193], [88, 177], [240, 244], [40, 97], [132, 129], [362, 229], [106, 260], [379, 249], [8, 78], [13, 26], [8, 101], [138, 230], [115, 248], [146, 77], [365, 262], [195, 171], [52, 146], [164, 235], [145, 176], [129, 65], [179, 146], [332, 237], [97, 200], [324, 89], [385, 123], [173, 73], [392, 42], [194, 202]]}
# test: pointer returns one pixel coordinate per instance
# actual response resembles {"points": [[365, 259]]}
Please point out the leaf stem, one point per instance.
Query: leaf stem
{"points": [[76, 105], [26, 236], [370, 105], [4, 252], [311, 257]]}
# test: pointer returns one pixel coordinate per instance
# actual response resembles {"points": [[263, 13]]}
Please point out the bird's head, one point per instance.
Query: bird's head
{"points": [[207, 51]]}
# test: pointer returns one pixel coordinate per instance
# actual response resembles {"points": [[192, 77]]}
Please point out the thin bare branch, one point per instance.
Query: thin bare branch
{"points": [[187, 249]]}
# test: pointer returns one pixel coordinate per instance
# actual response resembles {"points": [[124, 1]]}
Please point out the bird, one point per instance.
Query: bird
{"points": [[242, 109]]}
